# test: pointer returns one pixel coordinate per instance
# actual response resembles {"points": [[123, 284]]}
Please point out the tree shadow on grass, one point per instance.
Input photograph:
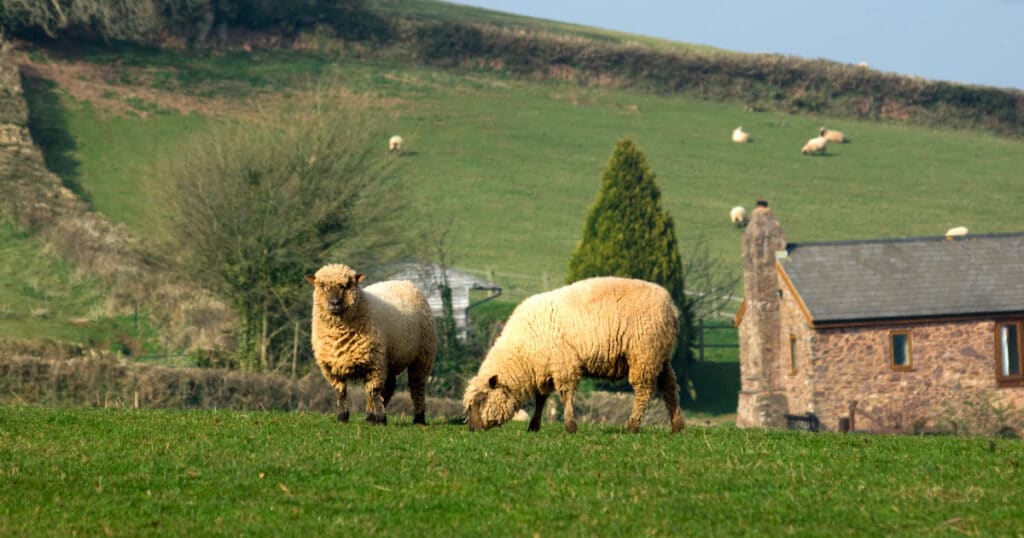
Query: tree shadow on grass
{"points": [[717, 387], [47, 123]]}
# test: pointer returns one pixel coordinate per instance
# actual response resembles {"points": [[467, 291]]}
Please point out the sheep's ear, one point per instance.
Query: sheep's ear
{"points": [[311, 279], [493, 382], [360, 277]]}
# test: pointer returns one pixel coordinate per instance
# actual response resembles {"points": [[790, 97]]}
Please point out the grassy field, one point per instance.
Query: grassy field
{"points": [[514, 165], [140, 473]]}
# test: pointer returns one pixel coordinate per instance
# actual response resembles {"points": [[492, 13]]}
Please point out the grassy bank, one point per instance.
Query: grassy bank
{"points": [[215, 472]]}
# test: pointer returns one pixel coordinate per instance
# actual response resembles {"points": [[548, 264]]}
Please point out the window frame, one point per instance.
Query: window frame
{"points": [[793, 355], [909, 351], [1018, 378]]}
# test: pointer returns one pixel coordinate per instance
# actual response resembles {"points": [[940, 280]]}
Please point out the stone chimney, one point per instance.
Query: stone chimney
{"points": [[762, 402]]}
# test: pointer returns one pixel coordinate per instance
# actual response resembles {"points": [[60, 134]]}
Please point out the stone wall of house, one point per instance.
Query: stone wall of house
{"points": [[951, 384], [797, 380]]}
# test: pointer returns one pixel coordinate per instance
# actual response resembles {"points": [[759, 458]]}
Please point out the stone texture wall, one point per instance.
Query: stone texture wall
{"points": [[952, 377]]}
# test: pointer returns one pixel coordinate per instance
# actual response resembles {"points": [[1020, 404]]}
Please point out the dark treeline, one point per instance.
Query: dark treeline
{"points": [[771, 82]]}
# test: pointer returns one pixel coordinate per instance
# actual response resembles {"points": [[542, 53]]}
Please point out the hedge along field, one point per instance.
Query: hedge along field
{"points": [[515, 164], [118, 472]]}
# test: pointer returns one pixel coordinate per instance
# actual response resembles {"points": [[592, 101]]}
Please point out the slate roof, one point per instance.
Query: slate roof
{"points": [[908, 278]]}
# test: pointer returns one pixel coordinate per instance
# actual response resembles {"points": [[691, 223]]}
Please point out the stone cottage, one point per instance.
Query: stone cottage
{"points": [[898, 335], [429, 278]]}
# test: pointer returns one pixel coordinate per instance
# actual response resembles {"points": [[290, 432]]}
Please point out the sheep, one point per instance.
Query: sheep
{"points": [[738, 216], [959, 231], [395, 143], [373, 334], [739, 136], [833, 136], [605, 327], [815, 145]]}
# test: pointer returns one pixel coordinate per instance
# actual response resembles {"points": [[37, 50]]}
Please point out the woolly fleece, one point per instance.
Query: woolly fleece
{"points": [[604, 327], [373, 334]]}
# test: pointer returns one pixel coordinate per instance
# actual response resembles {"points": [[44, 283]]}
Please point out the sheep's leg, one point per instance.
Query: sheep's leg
{"points": [[538, 412], [375, 398], [389, 389], [670, 393], [418, 375], [567, 416], [643, 386], [342, 389]]}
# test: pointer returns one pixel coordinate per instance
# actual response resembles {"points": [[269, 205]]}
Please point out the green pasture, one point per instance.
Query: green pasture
{"points": [[210, 473], [514, 165]]}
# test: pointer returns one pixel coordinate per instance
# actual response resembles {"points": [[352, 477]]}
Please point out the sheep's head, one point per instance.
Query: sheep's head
{"points": [[335, 288], [488, 403]]}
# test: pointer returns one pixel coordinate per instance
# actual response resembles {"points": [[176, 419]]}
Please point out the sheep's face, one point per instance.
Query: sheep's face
{"points": [[335, 291], [488, 403]]}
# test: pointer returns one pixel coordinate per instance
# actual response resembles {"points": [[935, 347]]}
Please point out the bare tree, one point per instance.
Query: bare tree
{"points": [[710, 281], [251, 207]]}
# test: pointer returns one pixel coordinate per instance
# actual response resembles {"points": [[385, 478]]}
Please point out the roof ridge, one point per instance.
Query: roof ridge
{"points": [[921, 239]]}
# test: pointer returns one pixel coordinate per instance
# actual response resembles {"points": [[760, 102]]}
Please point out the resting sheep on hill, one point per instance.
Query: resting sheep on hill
{"points": [[395, 143], [739, 136], [815, 145], [374, 334], [605, 327], [738, 216], [836, 137]]}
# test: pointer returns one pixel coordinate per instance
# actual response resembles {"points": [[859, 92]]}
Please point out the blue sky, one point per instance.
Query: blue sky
{"points": [[970, 41]]}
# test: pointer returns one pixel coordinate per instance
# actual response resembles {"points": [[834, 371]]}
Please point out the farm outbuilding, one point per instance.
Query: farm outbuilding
{"points": [[907, 335], [429, 278]]}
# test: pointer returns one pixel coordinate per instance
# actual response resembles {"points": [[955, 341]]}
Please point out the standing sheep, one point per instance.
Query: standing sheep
{"points": [[836, 137], [372, 334], [738, 216], [395, 143], [815, 145], [604, 327], [739, 136]]}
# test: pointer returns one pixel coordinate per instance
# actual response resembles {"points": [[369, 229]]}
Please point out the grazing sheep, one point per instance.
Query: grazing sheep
{"points": [[374, 333], [395, 143], [738, 216], [836, 137], [815, 145], [959, 231], [739, 136], [604, 327]]}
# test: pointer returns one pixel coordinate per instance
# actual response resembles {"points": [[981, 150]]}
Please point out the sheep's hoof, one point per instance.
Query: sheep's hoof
{"points": [[380, 420], [420, 418], [632, 427], [678, 425], [534, 427], [343, 416], [570, 427]]}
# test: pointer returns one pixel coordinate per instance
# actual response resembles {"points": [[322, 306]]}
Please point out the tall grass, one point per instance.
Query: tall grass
{"points": [[165, 473]]}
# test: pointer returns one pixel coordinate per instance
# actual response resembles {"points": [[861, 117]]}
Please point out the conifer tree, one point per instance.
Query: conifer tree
{"points": [[627, 233]]}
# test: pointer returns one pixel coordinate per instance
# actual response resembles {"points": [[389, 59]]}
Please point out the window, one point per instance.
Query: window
{"points": [[792, 354], [1008, 351], [899, 356]]}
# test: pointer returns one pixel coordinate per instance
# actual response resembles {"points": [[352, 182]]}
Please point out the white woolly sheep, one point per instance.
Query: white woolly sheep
{"points": [[604, 327], [738, 216], [959, 231], [739, 136], [372, 333], [395, 143], [815, 145], [836, 137]]}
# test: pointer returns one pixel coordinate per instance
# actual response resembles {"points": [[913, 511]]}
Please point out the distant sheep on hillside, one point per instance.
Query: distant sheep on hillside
{"points": [[395, 143], [739, 136], [815, 145], [738, 216], [836, 137], [959, 231]]}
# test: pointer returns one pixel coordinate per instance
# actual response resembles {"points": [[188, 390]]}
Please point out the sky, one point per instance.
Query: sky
{"points": [[969, 41]]}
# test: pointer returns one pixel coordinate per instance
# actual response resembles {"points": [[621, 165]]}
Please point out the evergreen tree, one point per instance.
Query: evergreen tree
{"points": [[628, 234]]}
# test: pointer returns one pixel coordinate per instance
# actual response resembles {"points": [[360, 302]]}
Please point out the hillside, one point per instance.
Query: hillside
{"points": [[508, 131]]}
